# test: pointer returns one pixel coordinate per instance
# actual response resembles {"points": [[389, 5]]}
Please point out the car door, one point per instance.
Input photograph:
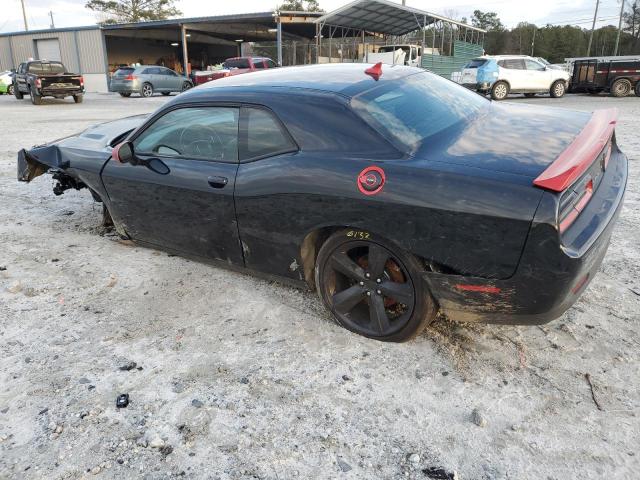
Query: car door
{"points": [[538, 77], [173, 80], [514, 72], [183, 199]]}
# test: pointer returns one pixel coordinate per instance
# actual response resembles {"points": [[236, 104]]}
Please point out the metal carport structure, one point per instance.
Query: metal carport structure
{"points": [[449, 41]]}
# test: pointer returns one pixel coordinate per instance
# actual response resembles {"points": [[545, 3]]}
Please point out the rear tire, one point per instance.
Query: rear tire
{"points": [[35, 99], [558, 89], [373, 288], [500, 90], [146, 90], [17, 93], [78, 98], [125, 94], [621, 87], [10, 89], [186, 86]]}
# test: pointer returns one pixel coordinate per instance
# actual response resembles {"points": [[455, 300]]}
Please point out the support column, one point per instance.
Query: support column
{"points": [[279, 40], [185, 50]]}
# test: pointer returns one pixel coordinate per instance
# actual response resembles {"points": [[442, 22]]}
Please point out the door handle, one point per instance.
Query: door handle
{"points": [[218, 182]]}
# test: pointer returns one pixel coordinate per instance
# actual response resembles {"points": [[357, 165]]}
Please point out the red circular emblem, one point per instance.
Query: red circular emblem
{"points": [[371, 180]]}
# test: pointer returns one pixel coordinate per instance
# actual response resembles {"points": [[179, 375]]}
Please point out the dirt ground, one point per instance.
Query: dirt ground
{"points": [[237, 377]]}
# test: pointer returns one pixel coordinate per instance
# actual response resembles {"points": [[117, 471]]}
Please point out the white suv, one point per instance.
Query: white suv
{"points": [[501, 75]]}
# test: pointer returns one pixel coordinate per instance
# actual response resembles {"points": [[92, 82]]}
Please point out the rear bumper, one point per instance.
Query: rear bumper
{"points": [[478, 87], [125, 87], [553, 271], [60, 92]]}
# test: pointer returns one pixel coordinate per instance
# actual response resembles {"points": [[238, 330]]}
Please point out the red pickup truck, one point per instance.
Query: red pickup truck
{"points": [[234, 66]]}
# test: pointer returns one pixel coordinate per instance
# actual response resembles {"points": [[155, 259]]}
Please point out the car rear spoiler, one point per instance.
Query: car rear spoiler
{"points": [[581, 153]]}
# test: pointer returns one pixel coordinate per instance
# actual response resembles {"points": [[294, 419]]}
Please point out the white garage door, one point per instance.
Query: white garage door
{"points": [[48, 49]]}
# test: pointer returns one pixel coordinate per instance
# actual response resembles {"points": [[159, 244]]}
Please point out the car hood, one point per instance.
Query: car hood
{"points": [[519, 139], [97, 137]]}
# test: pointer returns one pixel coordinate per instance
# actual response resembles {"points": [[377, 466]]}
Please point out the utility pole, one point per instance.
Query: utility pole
{"points": [[533, 42], [615, 50], [593, 27], [52, 24], [24, 16]]}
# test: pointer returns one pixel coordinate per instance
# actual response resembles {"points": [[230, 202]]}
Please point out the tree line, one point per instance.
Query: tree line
{"points": [[557, 42]]}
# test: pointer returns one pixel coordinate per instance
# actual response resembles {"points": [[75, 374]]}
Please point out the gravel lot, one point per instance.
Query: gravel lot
{"points": [[237, 377]]}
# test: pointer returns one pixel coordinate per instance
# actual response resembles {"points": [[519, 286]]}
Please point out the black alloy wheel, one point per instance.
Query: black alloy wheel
{"points": [[370, 289]]}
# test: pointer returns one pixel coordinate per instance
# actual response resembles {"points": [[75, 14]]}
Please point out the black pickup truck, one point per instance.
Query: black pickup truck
{"points": [[618, 77], [42, 78]]}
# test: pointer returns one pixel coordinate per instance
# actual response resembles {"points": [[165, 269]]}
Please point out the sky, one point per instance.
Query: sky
{"points": [[71, 13]]}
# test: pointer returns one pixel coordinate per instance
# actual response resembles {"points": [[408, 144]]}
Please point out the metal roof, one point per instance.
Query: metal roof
{"points": [[382, 16]]}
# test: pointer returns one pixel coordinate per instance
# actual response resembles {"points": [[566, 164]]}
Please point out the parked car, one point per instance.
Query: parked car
{"points": [[43, 78], [392, 191], [410, 55], [146, 80], [6, 82], [236, 66], [619, 78], [501, 75]]}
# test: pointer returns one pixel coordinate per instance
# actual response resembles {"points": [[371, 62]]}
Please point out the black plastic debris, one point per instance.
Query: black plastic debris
{"points": [[438, 473], [2, 268], [122, 401], [128, 366]]}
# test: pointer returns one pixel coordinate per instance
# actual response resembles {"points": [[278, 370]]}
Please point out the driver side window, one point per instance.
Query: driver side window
{"points": [[203, 133]]}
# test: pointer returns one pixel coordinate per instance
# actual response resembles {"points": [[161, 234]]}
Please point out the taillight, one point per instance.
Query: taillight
{"points": [[82, 81], [131, 76]]}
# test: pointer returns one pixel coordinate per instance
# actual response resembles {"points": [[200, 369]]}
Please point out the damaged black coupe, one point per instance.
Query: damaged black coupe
{"points": [[393, 192]]}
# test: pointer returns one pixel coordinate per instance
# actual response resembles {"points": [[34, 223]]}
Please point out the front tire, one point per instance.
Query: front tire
{"points": [[373, 288], [621, 88], [35, 98], [500, 90], [17, 93], [147, 90], [558, 89]]}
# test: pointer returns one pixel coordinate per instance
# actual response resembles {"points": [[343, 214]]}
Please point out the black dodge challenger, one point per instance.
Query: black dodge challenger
{"points": [[393, 192]]}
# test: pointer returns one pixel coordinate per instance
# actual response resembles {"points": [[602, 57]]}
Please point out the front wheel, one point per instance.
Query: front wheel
{"points": [[147, 90], [558, 89], [373, 288], [621, 88], [35, 98], [500, 90]]}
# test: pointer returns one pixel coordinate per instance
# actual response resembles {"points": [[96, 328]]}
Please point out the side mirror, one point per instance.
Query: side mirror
{"points": [[123, 152]]}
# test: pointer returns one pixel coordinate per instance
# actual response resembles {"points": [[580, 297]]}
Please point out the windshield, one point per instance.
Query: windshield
{"points": [[544, 62], [412, 109], [123, 72], [47, 68]]}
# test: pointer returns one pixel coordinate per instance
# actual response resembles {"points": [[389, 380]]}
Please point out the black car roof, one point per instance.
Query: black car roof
{"points": [[348, 79]]}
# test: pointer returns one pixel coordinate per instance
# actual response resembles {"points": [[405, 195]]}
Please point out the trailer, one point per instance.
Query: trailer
{"points": [[618, 77]]}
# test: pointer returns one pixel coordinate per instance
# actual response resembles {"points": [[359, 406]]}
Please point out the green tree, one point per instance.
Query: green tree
{"points": [[301, 6], [486, 20], [131, 11]]}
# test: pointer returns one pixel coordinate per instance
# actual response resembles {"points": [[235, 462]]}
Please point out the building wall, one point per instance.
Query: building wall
{"points": [[82, 51]]}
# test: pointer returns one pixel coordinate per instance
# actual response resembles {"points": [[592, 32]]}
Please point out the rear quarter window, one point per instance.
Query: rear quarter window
{"points": [[264, 135]]}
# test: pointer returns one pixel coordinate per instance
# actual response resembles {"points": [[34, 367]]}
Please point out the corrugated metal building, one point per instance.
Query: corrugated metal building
{"points": [[82, 50], [97, 51]]}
